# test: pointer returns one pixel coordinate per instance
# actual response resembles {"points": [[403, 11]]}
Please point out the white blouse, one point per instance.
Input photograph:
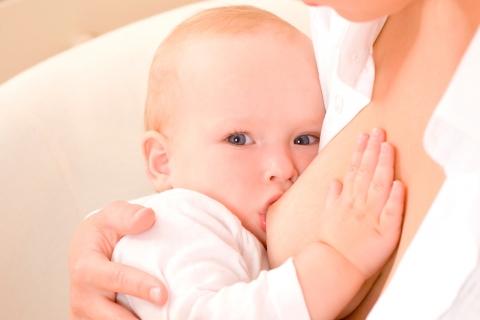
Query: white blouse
{"points": [[439, 275], [345, 66]]}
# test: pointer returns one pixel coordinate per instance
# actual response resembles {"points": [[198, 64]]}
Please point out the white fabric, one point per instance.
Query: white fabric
{"points": [[70, 131], [445, 250], [345, 66], [466, 306], [212, 266]]}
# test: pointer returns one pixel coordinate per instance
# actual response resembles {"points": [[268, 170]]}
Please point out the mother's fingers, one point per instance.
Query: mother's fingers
{"points": [[116, 277], [124, 218], [94, 279], [101, 308], [92, 247]]}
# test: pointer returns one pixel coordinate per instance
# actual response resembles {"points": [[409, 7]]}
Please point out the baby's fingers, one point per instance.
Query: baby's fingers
{"points": [[368, 165], [334, 192], [392, 214], [349, 180], [379, 189]]}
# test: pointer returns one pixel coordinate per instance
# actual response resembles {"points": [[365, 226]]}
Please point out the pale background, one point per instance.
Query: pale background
{"points": [[70, 129], [33, 30]]}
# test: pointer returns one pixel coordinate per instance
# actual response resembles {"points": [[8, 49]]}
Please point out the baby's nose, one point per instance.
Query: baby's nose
{"points": [[281, 168]]}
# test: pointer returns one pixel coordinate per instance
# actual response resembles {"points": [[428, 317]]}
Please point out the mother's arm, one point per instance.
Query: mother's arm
{"points": [[94, 279]]}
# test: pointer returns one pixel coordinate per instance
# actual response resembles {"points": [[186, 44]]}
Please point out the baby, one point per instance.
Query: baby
{"points": [[233, 115]]}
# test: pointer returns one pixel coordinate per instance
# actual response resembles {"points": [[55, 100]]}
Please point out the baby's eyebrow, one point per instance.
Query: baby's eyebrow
{"points": [[314, 122]]}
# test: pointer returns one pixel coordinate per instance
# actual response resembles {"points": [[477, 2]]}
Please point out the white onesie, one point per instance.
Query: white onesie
{"points": [[213, 267]]}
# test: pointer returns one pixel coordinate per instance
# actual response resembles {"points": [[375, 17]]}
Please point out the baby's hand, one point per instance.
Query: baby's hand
{"points": [[363, 221]]}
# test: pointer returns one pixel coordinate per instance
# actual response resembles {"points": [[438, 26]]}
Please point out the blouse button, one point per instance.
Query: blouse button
{"points": [[338, 103]]}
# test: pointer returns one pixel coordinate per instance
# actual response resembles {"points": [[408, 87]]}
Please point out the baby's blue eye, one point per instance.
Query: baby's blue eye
{"points": [[239, 139], [305, 139]]}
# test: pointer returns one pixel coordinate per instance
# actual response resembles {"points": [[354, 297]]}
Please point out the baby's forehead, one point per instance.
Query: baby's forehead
{"points": [[223, 47], [211, 33]]}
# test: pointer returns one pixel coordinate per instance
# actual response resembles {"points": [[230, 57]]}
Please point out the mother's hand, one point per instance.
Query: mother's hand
{"points": [[94, 279]]}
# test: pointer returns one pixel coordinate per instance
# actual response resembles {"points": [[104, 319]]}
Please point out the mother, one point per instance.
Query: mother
{"points": [[416, 53]]}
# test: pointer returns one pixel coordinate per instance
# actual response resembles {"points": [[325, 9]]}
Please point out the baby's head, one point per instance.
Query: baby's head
{"points": [[234, 110]]}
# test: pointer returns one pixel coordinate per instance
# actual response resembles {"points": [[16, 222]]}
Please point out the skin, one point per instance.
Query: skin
{"points": [[271, 103], [415, 57], [357, 232], [93, 284], [95, 238], [362, 10], [253, 133]]}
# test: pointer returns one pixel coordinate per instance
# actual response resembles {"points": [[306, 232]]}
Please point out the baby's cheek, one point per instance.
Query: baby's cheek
{"points": [[306, 159]]}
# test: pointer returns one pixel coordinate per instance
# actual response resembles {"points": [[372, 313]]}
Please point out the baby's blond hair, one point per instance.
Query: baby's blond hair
{"points": [[163, 86]]}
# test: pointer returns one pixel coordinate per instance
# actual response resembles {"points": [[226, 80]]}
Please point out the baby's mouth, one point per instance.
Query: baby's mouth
{"points": [[263, 214], [263, 221]]}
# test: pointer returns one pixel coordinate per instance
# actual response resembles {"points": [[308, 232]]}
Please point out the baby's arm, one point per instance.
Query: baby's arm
{"points": [[359, 230], [213, 268]]}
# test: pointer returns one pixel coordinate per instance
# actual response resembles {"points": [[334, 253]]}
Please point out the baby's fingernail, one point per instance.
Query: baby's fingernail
{"points": [[362, 137], [384, 148], [397, 186], [156, 294], [376, 133]]}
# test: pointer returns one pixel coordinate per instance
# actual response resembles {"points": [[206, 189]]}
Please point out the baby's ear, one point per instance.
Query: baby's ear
{"points": [[155, 153]]}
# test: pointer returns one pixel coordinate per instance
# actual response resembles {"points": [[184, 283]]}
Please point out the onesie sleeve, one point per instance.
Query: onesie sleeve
{"points": [[274, 294], [212, 266]]}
